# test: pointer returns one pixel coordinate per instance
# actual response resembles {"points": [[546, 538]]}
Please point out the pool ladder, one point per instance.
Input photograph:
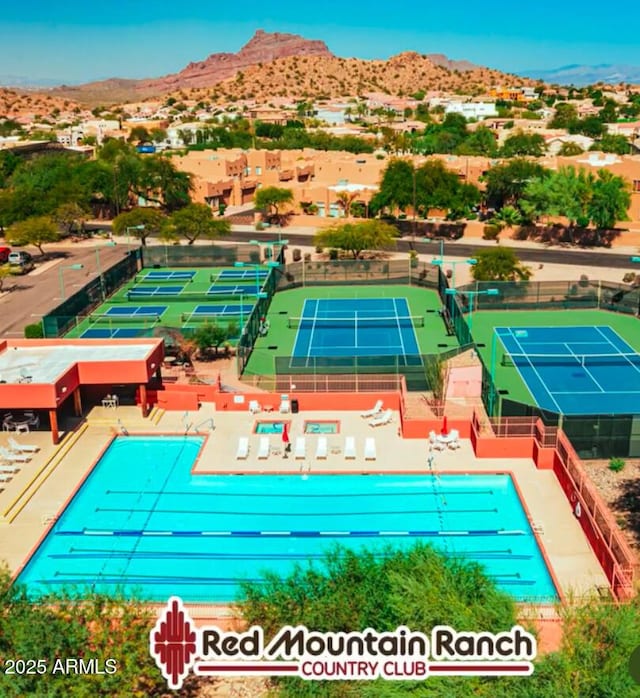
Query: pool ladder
{"points": [[208, 421]]}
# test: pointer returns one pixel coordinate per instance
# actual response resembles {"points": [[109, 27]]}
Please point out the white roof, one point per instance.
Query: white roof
{"points": [[44, 364]]}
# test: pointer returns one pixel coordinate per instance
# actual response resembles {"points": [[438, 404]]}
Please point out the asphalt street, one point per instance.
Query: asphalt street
{"points": [[35, 294]]}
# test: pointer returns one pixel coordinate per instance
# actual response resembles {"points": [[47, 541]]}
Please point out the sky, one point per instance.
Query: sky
{"points": [[75, 41]]}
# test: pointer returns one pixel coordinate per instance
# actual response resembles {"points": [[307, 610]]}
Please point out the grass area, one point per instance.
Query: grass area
{"points": [[507, 377], [194, 293], [432, 338]]}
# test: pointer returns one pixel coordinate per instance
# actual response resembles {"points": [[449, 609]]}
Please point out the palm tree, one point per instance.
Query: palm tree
{"points": [[345, 200]]}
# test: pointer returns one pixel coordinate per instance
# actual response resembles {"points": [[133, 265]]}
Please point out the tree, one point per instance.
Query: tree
{"points": [[71, 216], [143, 222], [396, 188], [36, 231], [139, 134], [570, 148], [507, 182], [380, 589], [345, 200], [158, 135], [160, 182], [357, 237], [272, 198], [610, 200], [213, 335], [499, 264], [612, 144], [482, 141], [589, 126], [60, 626], [566, 114], [196, 221], [521, 144]]}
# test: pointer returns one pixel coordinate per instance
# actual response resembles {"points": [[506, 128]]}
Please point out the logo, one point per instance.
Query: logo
{"points": [[178, 647], [173, 643]]}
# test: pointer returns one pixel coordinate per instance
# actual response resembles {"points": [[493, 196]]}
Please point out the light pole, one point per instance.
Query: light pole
{"points": [[472, 295], [132, 227], [269, 246], [439, 240], [440, 263], [75, 267], [257, 267], [99, 267]]}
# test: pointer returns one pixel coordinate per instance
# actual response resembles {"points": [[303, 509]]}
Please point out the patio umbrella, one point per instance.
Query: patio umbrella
{"points": [[285, 437], [445, 429]]}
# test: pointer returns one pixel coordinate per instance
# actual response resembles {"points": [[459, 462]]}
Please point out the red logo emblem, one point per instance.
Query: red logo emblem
{"points": [[173, 643]]}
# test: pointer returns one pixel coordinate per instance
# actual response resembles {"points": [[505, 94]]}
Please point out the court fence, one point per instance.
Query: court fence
{"points": [[324, 383], [65, 316], [359, 272], [207, 255], [414, 368], [552, 295]]}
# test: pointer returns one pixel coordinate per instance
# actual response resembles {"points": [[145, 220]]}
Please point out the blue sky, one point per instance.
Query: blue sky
{"points": [[76, 41]]}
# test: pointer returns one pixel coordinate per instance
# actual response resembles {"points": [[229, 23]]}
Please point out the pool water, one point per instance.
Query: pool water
{"points": [[269, 427], [321, 427], [143, 524]]}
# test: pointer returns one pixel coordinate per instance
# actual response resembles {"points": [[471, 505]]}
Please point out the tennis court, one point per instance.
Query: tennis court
{"points": [[212, 312], [356, 327], [240, 274], [575, 370], [158, 275]]}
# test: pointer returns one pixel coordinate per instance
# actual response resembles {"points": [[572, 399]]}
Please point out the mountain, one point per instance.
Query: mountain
{"points": [[581, 75], [23, 82], [287, 65]]}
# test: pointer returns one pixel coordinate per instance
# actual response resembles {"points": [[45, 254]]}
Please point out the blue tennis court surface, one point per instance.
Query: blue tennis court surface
{"points": [[150, 291], [575, 370], [168, 276], [158, 529], [228, 274], [356, 327], [217, 290], [111, 333], [222, 310], [140, 311]]}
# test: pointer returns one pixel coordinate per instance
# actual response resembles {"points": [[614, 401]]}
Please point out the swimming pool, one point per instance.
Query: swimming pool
{"points": [[142, 523], [327, 426], [270, 427]]}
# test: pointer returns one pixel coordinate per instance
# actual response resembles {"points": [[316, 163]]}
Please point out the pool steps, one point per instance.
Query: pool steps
{"points": [[42, 474]]}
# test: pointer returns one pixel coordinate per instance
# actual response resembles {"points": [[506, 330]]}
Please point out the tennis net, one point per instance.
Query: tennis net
{"points": [[139, 296], [160, 280], [572, 360], [116, 320], [215, 316], [309, 323]]}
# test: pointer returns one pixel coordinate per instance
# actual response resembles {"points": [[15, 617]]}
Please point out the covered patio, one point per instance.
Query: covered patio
{"points": [[38, 376]]}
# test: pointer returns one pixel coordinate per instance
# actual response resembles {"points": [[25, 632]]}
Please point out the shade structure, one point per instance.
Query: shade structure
{"points": [[445, 428], [285, 434]]}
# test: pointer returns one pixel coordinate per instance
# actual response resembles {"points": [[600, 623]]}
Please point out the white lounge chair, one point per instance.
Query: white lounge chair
{"points": [[373, 411], [243, 448], [454, 439], [349, 447], [22, 448], [370, 448], [382, 419], [301, 447], [9, 469], [321, 448], [6, 454], [254, 407], [285, 404], [434, 443], [263, 447]]}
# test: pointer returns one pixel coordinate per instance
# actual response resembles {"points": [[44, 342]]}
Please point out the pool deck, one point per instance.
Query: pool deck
{"points": [[572, 562]]}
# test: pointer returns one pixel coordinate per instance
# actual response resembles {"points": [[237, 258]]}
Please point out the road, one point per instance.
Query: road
{"points": [[457, 248], [38, 292]]}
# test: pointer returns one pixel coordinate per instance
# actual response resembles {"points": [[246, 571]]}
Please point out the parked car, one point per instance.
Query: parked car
{"points": [[4, 254], [21, 259]]}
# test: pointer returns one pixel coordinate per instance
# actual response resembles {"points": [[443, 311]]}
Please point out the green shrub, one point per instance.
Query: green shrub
{"points": [[616, 464], [490, 232], [34, 331], [333, 255]]}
